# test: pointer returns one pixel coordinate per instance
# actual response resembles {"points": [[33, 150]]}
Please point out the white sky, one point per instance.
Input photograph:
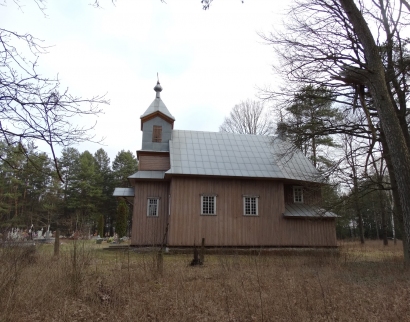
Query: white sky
{"points": [[207, 61]]}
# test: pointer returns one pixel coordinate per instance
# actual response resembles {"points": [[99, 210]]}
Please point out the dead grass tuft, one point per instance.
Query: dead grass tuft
{"points": [[366, 283]]}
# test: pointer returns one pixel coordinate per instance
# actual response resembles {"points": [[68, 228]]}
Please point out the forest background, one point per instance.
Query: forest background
{"points": [[326, 108], [31, 192]]}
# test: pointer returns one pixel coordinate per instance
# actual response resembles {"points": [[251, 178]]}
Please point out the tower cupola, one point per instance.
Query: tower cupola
{"points": [[156, 124]]}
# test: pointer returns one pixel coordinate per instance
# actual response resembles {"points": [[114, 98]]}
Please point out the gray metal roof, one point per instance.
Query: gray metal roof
{"points": [[147, 175], [157, 105], [237, 155], [123, 192], [298, 210]]}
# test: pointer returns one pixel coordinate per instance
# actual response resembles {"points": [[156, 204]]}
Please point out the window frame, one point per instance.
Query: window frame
{"points": [[157, 207], [157, 133], [214, 204], [256, 198], [298, 198]]}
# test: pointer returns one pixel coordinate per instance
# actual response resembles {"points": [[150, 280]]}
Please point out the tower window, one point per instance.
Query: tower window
{"points": [[157, 133]]}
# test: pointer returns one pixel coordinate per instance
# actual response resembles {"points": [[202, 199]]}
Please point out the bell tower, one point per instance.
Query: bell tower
{"points": [[156, 126]]}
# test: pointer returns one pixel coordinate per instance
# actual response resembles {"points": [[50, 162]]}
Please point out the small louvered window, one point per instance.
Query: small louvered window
{"points": [[157, 133]]}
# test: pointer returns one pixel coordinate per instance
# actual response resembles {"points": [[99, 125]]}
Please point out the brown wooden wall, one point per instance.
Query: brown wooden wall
{"points": [[149, 230], [312, 193], [230, 227], [154, 162]]}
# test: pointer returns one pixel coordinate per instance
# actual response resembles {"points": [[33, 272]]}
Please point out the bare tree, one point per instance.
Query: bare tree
{"points": [[207, 3], [374, 77], [248, 117], [329, 43], [33, 108]]}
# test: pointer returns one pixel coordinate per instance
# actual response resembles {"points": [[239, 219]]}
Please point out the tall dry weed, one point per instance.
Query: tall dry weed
{"points": [[356, 284], [76, 261], [15, 257]]}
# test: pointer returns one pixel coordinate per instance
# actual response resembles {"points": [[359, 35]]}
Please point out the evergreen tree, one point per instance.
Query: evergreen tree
{"points": [[69, 163], [85, 191], [39, 196], [124, 165], [105, 204], [309, 120], [122, 218]]}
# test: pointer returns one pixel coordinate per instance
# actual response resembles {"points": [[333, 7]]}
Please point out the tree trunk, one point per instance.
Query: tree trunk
{"points": [[15, 202], [376, 83], [357, 208], [393, 225], [314, 151], [377, 228], [398, 212], [384, 222], [57, 243]]}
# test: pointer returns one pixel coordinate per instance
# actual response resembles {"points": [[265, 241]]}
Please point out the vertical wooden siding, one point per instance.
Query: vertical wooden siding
{"points": [[230, 227], [149, 230], [154, 162], [311, 193]]}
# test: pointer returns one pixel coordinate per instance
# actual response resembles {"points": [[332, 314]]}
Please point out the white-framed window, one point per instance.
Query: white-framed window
{"points": [[250, 205], [152, 207], [297, 194], [208, 204]]}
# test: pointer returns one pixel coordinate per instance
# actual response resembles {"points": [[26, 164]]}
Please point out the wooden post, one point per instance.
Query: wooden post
{"points": [[202, 253], [196, 260], [160, 263], [57, 243]]}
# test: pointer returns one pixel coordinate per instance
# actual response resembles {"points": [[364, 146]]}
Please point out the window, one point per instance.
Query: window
{"points": [[152, 209], [298, 194], [208, 205], [250, 205], [157, 133]]}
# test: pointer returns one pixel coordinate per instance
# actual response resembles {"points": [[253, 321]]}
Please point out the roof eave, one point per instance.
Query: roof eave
{"points": [[155, 114]]}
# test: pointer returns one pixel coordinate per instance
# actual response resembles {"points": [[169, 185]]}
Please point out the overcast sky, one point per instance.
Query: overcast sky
{"points": [[207, 61]]}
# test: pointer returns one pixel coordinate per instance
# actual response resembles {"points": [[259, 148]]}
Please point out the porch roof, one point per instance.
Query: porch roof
{"points": [[299, 210], [126, 193], [148, 175]]}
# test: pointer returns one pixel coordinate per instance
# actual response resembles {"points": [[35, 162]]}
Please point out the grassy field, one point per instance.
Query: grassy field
{"points": [[354, 283]]}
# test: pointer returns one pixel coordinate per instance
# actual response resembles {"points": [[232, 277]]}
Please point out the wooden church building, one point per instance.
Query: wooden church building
{"points": [[233, 190]]}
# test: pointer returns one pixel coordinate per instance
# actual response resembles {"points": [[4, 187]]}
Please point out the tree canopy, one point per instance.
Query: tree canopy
{"points": [[248, 117], [34, 108], [32, 194]]}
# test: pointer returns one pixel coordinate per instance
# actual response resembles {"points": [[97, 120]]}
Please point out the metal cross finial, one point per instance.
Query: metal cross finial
{"points": [[158, 87]]}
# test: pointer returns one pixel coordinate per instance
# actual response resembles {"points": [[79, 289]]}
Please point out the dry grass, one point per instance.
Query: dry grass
{"points": [[357, 283]]}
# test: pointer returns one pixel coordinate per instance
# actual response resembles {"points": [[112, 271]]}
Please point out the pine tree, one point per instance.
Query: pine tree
{"points": [[124, 165], [309, 120], [105, 203]]}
